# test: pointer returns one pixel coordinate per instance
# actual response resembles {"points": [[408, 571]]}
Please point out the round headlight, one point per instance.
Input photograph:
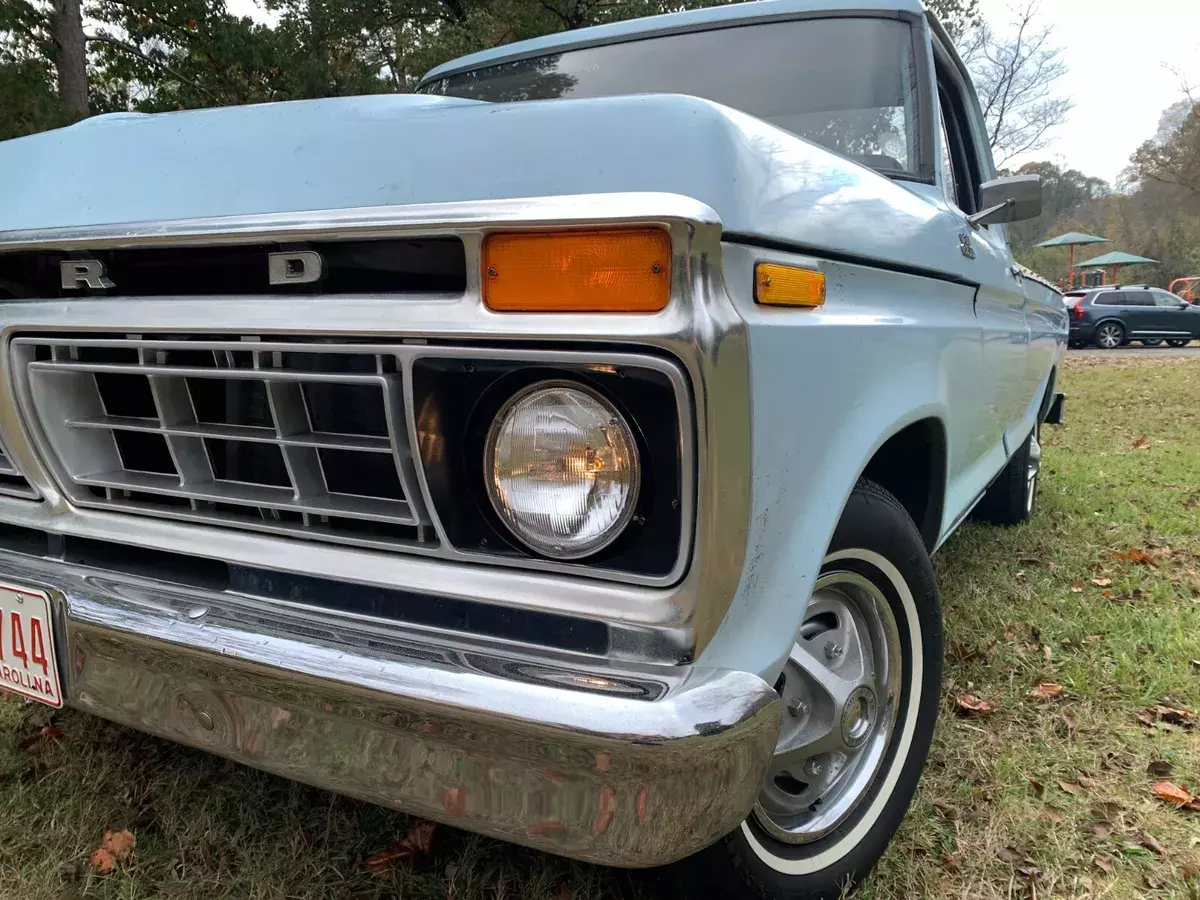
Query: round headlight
{"points": [[561, 467]]}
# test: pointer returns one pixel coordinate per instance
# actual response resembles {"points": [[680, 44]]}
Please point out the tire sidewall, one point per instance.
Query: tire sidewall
{"points": [[877, 539]]}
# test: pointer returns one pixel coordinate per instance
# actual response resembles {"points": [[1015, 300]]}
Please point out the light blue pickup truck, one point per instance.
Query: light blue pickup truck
{"points": [[557, 452]]}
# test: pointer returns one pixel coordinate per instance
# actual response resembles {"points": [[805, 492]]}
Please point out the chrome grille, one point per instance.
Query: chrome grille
{"points": [[303, 439], [12, 482]]}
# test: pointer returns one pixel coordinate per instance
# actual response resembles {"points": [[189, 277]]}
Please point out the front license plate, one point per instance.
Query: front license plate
{"points": [[27, 664]]}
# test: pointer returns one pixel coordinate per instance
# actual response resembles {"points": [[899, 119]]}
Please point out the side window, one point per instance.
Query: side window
{"points": [[947, 162], [959, 157], [1110, 298], [1162, 298], [1140, 298]]}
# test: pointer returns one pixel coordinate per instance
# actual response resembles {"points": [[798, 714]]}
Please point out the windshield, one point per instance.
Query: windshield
{"points": [[848, 84]]}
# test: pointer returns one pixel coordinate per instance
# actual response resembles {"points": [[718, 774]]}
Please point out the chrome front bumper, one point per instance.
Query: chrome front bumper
{"points": [[628, 769]]}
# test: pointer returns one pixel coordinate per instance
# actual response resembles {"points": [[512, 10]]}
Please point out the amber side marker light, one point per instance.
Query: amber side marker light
{"points": [[777, 285], [621, 270]]}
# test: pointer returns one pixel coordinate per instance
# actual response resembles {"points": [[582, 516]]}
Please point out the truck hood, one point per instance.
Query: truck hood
{"points": [[405, 149]]}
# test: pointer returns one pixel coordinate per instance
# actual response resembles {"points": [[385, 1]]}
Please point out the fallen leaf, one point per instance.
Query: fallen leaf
{"points": [[1039, 789], [1159, 768], [970, 705], [1173, 793], [1108, 811], [1077, 586], [1092, 639], [1010, 854], [115, 847], [418, 842], [1151, 843], [1087, 781], [1102, 831], [102, 861], [1103, 863], [1141, 557], [1046, 690], [1142, 443], [1021, 576], [1071, 788], [52, 733], [1101, 582], [1030, 872], [1168, 716], [1047, 652]]}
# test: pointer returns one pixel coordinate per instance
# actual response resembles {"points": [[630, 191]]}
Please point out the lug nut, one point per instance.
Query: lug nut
{"points": [[797, 707], [833, 651], [813, 767]]}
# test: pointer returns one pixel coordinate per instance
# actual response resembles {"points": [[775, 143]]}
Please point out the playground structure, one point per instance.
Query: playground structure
{"points": [[1188, 288]]}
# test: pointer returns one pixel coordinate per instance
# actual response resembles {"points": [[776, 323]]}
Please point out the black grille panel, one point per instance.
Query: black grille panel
{"points": [[247, 434], [384, 266]]}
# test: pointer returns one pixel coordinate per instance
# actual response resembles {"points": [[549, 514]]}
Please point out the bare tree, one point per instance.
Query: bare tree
{"points": [[1015, 74]]}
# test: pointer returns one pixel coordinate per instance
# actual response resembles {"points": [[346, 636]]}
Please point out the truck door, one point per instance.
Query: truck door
{"points": [[987, 262]]}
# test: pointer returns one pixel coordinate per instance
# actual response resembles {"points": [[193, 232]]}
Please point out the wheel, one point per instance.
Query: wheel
{"points": [[861, 689], [1178, 342], [1151, 342], [1110, 335], [1011, 497]]}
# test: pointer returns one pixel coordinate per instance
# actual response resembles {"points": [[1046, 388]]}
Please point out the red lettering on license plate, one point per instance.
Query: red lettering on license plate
{"points": [[27, 663]]}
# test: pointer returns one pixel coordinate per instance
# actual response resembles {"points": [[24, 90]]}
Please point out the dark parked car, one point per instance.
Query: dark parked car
{"points": [[1117, 314]]}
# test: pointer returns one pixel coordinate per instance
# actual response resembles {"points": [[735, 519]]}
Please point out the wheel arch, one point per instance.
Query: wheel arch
{"points": [[1115, 320], [920, 488]]}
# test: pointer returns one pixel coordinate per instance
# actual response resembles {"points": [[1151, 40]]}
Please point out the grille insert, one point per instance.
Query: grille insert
{"points": [[287, 439], [12, 482]]}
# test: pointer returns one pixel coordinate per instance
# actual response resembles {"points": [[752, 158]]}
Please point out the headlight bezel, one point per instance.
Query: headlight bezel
{"points": [[456, 393], [629, 436]]}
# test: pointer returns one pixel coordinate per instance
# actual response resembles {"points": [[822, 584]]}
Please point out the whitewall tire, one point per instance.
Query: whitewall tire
{"points": [[861, 691]]}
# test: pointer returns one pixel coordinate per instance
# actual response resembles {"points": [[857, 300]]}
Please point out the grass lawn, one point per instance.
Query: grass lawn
{"points": [[1036, 798]]}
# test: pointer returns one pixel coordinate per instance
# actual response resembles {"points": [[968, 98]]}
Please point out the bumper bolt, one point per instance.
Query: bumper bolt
{"points": [[797, 707]]}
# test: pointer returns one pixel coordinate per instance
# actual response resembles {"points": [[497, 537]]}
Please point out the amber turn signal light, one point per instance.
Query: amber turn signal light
{"points": [[778, 285], [622, 270]]}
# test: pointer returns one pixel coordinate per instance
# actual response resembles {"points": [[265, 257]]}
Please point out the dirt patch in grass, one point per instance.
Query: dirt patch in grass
{"points": [[1050, 795]]}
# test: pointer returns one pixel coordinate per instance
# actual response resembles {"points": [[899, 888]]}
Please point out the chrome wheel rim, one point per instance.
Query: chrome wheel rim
{"points": [[841, 690], [1110, 336], [1032, 467]]}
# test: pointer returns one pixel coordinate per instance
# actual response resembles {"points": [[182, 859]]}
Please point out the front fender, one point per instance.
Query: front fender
{"points": [[828, 388]]}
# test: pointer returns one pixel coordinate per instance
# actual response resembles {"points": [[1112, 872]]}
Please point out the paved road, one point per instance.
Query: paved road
{"points": [[1192, 351]]}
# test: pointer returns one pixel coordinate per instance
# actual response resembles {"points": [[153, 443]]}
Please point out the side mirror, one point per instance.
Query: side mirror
{"points": [[1012, 199], [1183, 304]]}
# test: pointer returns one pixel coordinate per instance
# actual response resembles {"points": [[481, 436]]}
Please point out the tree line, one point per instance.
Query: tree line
{"points": [[63, 60], [1155, 212]]}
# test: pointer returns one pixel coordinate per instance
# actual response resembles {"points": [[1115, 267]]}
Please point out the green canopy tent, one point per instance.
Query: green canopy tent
{"points": [[1114, 259], [1071, 240]]}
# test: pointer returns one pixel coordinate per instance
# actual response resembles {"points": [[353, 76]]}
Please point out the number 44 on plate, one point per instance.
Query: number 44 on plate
{"points": [[27, 664]]}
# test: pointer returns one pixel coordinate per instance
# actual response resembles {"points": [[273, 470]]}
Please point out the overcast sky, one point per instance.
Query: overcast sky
{"points": [[1117, 53]]}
